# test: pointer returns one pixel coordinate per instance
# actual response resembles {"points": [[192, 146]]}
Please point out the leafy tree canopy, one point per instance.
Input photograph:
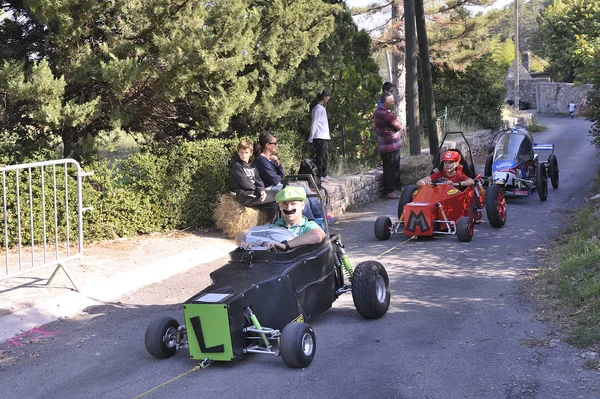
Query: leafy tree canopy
{"points": [[569, 37], [169, 69]]}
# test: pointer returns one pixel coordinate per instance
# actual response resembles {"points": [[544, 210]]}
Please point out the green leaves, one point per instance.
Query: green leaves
{"points": [[164, 68], [570, 33]]}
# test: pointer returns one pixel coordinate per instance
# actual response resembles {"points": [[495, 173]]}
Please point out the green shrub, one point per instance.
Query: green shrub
{"points": [[169, 188]]}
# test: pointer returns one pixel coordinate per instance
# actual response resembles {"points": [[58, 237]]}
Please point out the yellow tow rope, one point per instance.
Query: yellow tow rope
{"points": [[198, 367], [396, 246]]}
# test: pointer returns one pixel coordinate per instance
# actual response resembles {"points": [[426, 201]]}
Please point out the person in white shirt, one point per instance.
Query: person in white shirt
{"points": [[319, 132], [572, 107]]}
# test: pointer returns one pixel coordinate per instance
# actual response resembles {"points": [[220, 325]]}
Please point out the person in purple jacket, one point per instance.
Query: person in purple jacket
{"points": [[389, 133]]}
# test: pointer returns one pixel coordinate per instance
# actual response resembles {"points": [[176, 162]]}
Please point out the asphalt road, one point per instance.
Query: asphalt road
{"points": [[456, 327]]}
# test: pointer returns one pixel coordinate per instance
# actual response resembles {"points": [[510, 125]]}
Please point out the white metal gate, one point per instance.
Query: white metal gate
{"points": [[39, 216]]}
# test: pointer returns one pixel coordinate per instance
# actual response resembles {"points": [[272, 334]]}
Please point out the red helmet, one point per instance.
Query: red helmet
{"points": [[452, 156]]}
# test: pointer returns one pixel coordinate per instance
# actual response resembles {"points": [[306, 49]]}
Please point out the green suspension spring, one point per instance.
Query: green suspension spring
{"points": [[346, 262]]}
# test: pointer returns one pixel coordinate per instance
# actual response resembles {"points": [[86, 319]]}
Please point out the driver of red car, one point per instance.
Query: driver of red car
{"points": [[451, 171]]}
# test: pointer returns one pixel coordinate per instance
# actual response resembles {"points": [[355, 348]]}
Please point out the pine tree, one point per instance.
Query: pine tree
{"points": [[163, 68]]}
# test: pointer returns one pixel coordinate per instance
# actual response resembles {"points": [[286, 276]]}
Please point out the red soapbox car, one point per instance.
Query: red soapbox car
{"points": [[439, 208]]}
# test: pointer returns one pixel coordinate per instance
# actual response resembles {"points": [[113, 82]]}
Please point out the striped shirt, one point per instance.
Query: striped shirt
{"points": [[388, 138]]}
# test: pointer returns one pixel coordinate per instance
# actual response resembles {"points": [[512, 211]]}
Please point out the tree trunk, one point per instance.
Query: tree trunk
{"points": [[430, 112], [412, 94], [70, 138]]}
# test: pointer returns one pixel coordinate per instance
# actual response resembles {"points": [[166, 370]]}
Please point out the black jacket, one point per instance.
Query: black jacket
{"points": [[246, 182]]}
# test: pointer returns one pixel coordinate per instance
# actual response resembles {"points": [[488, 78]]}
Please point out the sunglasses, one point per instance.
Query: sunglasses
{"points": [[274, 143]]}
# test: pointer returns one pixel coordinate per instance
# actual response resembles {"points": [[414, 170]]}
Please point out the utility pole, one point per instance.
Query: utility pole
{"points": [[388, 62], [517, 53], [428, 99], [412, 94]]}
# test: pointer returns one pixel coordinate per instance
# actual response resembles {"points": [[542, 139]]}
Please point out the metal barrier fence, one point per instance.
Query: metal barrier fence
{"points": [[38, 221]]}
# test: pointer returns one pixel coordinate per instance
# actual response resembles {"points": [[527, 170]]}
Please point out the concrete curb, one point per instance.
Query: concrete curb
{"points": [[108, 289]]}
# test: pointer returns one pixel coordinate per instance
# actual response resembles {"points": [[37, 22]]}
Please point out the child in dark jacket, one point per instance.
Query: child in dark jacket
{"points": [[247, 184]]}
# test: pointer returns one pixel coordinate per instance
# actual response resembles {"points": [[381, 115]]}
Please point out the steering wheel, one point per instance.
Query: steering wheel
{"points": [[441, 180]]}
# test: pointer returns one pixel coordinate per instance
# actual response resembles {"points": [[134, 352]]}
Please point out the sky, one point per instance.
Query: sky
{"points": [[369, 22], [359, 3]]}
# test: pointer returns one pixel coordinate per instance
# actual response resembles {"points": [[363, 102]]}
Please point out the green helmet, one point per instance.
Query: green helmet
{"points": [[291, 193]]}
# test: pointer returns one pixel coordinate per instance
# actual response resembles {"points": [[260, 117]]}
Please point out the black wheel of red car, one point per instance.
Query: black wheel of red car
{"points": [[298, 345], [405, 197], [161, 336], [371, 289], [541, 181], [495, 205], [487, 172], [553, 170], [382, 229], [464, 229]]}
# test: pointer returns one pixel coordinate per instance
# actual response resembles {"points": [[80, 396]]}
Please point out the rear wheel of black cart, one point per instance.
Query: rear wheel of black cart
{"points": [[298, 345], [541, 181], [161, 336], [487, 172], [553, 170], [371, 289], [405, 197], [464, 229], [382, 229], [495, 205]]}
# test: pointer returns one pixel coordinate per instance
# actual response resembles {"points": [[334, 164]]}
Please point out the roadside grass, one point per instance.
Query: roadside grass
{"points": [[567, 284], [535, 127]]}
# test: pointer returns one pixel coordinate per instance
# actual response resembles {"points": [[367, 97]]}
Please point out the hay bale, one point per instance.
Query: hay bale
{"points": [[231, 217], [414, 167]]}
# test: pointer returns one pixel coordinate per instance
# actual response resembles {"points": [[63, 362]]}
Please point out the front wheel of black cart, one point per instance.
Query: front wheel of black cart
{"points": [[495, 205], [541, 181], [382, 229], [371, 289], [464, 229], [487, 172], [553, 170], [161, 337], [298, 345], [405, 197]]}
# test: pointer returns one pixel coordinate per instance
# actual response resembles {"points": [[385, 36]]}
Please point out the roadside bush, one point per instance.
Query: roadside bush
{"points": [[175, 187], [168, 188]]}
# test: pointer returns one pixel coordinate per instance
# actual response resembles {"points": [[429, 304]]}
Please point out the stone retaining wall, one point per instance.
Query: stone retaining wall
{"points": [[345, 191], [554, 98]]}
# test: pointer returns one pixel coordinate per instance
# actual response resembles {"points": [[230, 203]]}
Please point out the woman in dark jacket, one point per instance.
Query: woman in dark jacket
{"points": [[271, 172], [247, 184], [268, 165]]}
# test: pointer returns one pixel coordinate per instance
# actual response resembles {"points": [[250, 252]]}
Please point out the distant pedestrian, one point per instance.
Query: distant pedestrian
{"points": [[319, 132], [572, 107], [389, 134]]}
